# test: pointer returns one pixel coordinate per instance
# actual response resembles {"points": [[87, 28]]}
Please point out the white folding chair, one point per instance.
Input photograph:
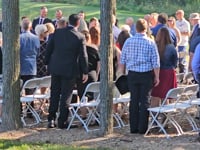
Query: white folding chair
{"points": [[189, 94], [27, 99], [188, 78], [123, 100], [43, 98], [167, 110], [179, 78], [91, 106]]}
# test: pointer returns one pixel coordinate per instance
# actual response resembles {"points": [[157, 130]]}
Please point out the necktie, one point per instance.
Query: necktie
{"points": [[41, 21]]}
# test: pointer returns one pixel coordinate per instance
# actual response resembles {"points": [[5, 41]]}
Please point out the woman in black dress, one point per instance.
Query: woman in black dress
{"points": [[42, 32]]}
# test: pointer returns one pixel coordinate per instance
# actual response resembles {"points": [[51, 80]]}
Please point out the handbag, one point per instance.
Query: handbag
{"points": [[122, 84]]}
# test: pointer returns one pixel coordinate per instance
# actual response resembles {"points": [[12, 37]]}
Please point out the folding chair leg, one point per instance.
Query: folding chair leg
{"points": [[154, 119], [176, 125], [34, 113], [73, 114], [116, 117], [192, 123], [120, 120]]}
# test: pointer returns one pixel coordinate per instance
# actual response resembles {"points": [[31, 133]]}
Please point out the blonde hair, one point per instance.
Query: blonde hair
{"points": [[173, 20], [125, 27], [50, 27]]}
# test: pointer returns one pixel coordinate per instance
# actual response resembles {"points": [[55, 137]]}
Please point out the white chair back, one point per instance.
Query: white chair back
{"points": [[45, 81]]}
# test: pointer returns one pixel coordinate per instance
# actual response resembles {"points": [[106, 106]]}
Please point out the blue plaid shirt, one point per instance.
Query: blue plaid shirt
{"points": [[140, 54]]}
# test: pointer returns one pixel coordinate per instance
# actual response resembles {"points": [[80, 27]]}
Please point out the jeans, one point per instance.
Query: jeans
{"points": [[182, 60]]}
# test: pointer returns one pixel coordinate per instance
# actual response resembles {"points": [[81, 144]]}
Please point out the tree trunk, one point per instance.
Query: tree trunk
{"points": [[11, 65], [114, 7], [106, 75]]}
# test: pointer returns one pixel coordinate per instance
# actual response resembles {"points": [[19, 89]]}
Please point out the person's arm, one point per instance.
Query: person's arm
{"points": [[191, 54], [178, 34], [121, 70], [83, 58], [49, 50], [187, 33], [174, 54], [156, 76], [156, 64], [84, 78], [98, 69]]}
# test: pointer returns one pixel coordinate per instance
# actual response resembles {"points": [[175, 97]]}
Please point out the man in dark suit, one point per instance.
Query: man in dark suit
{"points": [[193, 41], [59, 16], [66, 58], [42, 19]]}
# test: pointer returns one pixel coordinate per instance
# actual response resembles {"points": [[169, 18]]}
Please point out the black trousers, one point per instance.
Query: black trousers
{"points": [[24, 79], [61, 94], [140, 85], [92, 77]]}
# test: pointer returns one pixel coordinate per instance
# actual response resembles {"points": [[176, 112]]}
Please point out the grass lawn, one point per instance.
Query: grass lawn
{"points": [[17, 145], [32, 9]]}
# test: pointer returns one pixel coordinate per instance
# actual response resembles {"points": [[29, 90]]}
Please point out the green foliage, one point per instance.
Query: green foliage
{"points": [[17, 145]]}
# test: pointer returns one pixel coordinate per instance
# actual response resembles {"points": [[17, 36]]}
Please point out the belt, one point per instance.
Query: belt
{"points": [[140, 72]]}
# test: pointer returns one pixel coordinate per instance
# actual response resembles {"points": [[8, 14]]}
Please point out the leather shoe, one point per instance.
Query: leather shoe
{"points": [[51, 124], [134, 131], [62, 126], [65, 126], [142, 131]]}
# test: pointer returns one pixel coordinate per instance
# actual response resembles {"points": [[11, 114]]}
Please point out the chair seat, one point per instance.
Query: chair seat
{"points": [[86, 104], [195, 101], [179, 105], [26, 99], [121, 100], [162, 110]]}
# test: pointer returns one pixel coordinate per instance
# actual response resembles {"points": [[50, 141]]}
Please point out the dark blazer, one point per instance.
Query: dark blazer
{"points": [[0, 26], [36, 22], [54, 22], [66, 53], [194, 38]]}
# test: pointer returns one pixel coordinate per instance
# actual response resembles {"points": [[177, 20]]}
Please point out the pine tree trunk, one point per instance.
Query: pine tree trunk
{"points": [[106, 75], [11, 65]]}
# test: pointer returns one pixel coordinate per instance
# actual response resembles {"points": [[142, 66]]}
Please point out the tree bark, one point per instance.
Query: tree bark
{"points": [[114, 7], [11, 65], [106, 74]]}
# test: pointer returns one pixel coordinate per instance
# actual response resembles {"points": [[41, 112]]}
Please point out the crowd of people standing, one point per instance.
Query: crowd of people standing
{"points": [[151, 52]]}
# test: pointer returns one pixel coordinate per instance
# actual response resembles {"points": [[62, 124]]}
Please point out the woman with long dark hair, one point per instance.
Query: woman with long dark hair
{"points": [[168, 63]]}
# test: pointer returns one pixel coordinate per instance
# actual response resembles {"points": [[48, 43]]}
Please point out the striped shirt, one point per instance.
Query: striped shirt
{"points": [[140, 54]]}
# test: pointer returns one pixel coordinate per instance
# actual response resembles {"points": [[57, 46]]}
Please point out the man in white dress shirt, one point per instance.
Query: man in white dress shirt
{"points": [[184, 26]]}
